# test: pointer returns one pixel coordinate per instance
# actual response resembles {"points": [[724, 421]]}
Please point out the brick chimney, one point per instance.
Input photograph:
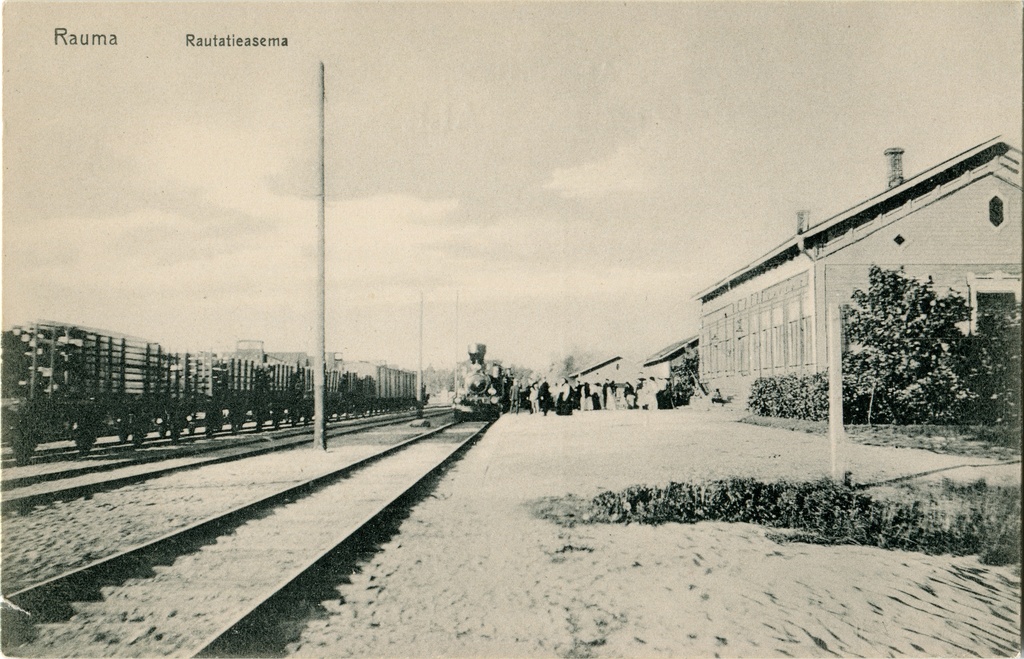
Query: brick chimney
{"points": [[803, 221], [895, 155]]}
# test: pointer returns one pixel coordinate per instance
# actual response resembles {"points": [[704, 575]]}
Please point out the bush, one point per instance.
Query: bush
{"points": [[956, 519], [791, 396]]}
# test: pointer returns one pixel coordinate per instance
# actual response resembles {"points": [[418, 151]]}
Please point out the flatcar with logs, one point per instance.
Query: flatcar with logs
{"points": [[483, 394], [64, 382]]}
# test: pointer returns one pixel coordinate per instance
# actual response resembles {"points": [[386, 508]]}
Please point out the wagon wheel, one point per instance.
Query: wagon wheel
{"points": [[85, 439], [212, 416], [174, 426], [261, 418], [139, 432], [124, 427], [23, 450], [23, 440]]}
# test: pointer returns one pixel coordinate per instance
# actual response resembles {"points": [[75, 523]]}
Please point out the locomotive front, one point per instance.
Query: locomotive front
{"points": [[483, 389]]}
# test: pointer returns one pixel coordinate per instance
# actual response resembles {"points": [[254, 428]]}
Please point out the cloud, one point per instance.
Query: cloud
{"points": [[393, 209], [621, 172]]}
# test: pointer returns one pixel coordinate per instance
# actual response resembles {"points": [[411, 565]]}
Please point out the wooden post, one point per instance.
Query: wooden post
{"points": [[53, 357], [122, 374], [458, 354], [419, 372], [318, 358], [836, 432], [34, 344], [110, 364]]}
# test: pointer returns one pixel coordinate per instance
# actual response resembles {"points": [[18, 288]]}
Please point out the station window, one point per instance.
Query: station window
{"points": [[995, 211]]}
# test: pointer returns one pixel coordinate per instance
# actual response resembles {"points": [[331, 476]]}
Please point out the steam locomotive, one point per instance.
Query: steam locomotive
{"points": [[63, 382], [483, 395]]}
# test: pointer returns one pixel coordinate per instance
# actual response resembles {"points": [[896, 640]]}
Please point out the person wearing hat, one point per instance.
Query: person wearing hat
{"points": [[629, 395]]}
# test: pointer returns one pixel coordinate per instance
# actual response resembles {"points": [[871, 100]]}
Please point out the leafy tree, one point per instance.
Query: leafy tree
{"points": [[683, 375], [577, 359], [436, 380], [994, 366], [906, 363]]}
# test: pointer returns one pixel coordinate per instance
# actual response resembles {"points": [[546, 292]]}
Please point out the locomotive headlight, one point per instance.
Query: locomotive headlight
{"points": [[494, 399], [477, 383], [492, 390]]}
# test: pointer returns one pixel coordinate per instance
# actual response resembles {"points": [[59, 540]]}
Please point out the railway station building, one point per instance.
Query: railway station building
{"points": [[958, 222]]}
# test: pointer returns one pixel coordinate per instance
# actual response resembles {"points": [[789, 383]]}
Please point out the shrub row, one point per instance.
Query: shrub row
{"points": [[791, 396], [971, 520]]}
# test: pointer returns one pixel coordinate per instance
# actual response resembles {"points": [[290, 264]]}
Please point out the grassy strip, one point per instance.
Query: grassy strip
{"points": [[997, 442], [948, 519]]}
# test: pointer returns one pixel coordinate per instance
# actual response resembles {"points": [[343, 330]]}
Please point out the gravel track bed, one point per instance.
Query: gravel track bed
{"points": [[204, 446], [54, 538], [126, 456], [186, 602]]}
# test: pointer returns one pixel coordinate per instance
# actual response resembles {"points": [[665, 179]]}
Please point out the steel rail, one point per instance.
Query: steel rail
{"points": [[112, 447], [52, 600], [170, 452], [232, 638], [12, 501]]}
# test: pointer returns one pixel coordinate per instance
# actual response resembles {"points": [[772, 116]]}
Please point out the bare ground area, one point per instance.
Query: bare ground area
{"points": [[479, 570], [1000, 442]]}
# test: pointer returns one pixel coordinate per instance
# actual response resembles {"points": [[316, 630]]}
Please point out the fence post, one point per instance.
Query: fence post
{"points": [[836, 432]]}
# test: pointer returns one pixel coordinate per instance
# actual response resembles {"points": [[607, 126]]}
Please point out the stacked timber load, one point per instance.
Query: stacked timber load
{"points": [[47, 359]]}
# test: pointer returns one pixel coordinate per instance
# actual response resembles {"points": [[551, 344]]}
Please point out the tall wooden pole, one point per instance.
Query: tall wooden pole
{"points": [[455, 373], [836, 432], [318, 358], [419, 372]]}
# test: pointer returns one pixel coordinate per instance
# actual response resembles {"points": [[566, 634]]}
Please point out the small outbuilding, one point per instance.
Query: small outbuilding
{"points": [[666, 364], [615, 369]]}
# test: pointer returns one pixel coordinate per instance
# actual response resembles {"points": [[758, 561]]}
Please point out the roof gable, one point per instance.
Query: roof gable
{"points": [[670, 352], [594, 367], [916, 186]]}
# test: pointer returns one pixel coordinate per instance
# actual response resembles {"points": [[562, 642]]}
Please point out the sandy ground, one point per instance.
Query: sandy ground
{"points": [[473, 572]]}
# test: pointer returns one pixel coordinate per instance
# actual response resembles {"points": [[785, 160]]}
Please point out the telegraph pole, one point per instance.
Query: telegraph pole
{"points": [[319, 441], [455, 373], [419, 372]]}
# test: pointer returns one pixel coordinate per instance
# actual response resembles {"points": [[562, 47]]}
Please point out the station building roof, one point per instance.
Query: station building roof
{"points": [[594, 367], [911, 188], [670, 352]]}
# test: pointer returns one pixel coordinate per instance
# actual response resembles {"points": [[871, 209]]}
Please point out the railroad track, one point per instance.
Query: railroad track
{"points": [[112, 447], [23, 492], [211, 588]]}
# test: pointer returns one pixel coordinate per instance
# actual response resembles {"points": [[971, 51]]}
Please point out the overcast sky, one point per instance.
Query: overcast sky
{"points": [[577, 172]]}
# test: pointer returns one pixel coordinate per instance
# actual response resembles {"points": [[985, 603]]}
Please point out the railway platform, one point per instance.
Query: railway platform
{"points": [[479, 569]]}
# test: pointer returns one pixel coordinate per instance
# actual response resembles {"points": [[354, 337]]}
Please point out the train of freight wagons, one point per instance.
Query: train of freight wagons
{"points": [[64, 382]]}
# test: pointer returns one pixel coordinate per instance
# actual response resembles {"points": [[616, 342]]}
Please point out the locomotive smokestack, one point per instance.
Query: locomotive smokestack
{"points": [[895, 155], [477, 352]]}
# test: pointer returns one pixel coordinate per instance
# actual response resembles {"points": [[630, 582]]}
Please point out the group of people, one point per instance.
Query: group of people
{"points": [[564, 397]]}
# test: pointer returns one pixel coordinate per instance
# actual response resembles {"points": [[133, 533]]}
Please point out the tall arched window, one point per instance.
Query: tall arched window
{"points": [[995, 211]]}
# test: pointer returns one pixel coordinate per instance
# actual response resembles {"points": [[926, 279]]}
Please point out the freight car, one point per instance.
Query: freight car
{"points": [[65, 382], [483, 393]]}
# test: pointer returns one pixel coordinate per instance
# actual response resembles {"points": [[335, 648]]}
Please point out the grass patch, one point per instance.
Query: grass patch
{"points": [[998, 442], [946, 518], [566, 511]]}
